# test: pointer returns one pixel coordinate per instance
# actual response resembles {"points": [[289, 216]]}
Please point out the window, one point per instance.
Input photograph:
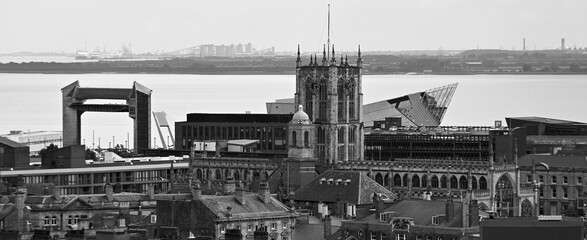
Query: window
{"points": [[306, 139], [565, 179], [554, 192], [435, 220], [54, 220], [579, 180], [553, 179], [373, 236], [565, 193], [273, 226], [383, 217], [293, 139], [541, 178], [47, 221], [400, 236], [529, 178], [250, 227]]}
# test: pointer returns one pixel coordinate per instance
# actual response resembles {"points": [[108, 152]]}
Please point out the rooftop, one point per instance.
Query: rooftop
{"points": [[337, 185], [546, 120], [239, 118]]}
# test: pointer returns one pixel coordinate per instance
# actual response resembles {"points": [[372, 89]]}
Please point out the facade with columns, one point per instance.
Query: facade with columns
{"points": [[330, 92]]}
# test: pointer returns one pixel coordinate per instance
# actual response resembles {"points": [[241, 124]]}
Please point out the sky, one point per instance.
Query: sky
{"points": [[378, 25]]}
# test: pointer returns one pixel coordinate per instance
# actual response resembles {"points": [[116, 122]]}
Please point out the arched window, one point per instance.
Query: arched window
{"points": [[424, 181], [415, 181], [453, 182], [341, 135], [482, 183], [237, 175], [54, 220], [47, 221], [434, 182], [463, 183], [379, 178], [321, 135], [397, 180], [340, 92], [443, 182], [322, 96], [306, 139], [405, 180], [294, 141], [218, 174], [474, 182], [199, 174], [352, 131], [386, 180]]}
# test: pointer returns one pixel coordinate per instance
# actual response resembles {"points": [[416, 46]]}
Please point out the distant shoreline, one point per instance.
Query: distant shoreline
{"points": [[275, 73]]}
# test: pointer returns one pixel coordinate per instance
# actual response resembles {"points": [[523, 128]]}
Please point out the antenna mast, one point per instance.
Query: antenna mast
{"points": [[328, 44]]}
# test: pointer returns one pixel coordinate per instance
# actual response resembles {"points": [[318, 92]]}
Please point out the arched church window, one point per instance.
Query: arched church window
{"points": [[341, 135], [294, 141], [482, 183], [306, 139], [434, 182]]}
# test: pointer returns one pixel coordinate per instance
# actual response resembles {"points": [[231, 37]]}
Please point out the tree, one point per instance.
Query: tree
{"points": [[90, 154], [51, 148], [575, 67], [527, 68]]}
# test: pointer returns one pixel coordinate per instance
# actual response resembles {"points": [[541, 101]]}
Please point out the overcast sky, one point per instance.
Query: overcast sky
{"points": [[376, 25]]}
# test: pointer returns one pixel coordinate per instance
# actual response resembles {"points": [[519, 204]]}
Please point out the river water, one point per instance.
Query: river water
{"points": [[33, 101]]}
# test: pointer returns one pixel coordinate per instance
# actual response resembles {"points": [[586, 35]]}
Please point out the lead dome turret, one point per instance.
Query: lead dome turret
{"points": [[300, 117]]}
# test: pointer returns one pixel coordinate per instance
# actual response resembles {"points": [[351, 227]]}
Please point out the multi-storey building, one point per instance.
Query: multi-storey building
{"points": [[560, 181], [269, 129], [445, 143], [129, 177]]}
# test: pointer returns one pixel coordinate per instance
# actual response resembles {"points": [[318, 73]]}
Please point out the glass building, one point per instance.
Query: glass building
{"points": [[417, 109]]}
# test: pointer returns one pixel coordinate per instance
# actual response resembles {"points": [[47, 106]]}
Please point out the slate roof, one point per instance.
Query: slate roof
{"points": [[358, 191], [10, 143], [420, 210], [253, 207], [555, 161], [6, 209]]}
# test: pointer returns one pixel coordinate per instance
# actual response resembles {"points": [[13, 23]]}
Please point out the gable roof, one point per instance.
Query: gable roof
{"points": [[419, 210], [359, 189], [10, 143], [253, 207]]}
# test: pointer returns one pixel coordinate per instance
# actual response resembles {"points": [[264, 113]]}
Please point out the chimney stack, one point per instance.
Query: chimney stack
{"points": [[449, 210], [327, 226], [109, 192], [378, 202], [229, 186], [57, 193], [473, 213], [151, 191], [264, 192], [196, 191], [240, 195]]}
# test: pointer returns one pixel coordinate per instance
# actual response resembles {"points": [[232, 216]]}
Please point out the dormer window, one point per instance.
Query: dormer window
{"points": [[329, 181], [347, 182], [338, 181], [322, 180]]}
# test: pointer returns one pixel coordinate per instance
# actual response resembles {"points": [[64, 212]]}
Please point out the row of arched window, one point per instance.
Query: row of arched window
{"points": [[236, 175], [435, 181]]}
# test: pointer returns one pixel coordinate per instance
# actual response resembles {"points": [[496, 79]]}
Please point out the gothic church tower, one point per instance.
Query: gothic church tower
{"points": [[330, 92]]}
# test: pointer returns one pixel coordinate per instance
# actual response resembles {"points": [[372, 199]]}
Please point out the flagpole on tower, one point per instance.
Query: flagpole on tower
{"points": [[328, 43]]}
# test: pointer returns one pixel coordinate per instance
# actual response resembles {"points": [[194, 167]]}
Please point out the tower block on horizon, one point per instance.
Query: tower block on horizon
{"points": [[331, 93]]}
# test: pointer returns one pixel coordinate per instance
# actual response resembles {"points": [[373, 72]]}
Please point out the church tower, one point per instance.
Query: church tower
{"points": [[330, 92]]}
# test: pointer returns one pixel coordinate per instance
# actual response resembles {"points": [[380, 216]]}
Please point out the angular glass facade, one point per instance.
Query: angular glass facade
{"points": [[417, 109]]}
